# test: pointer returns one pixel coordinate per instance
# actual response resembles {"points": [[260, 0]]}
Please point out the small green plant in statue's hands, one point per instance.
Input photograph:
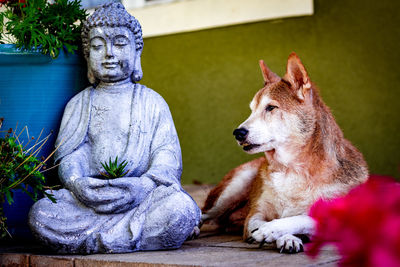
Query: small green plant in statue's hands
{"points": [[113, 169]]}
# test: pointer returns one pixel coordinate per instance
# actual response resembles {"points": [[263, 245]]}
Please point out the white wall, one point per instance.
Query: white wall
{"points": [[190, 15]]}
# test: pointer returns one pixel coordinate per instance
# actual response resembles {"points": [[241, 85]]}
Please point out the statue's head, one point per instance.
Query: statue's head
{"points": [[112, 44]]}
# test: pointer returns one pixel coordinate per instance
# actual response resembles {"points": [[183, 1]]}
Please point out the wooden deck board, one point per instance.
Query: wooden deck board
{"points": [[210, 249]]}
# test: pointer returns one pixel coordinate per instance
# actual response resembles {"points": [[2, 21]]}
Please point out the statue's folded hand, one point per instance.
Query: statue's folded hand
{"points": [[97, 194], [112, 196], [134, 190]]}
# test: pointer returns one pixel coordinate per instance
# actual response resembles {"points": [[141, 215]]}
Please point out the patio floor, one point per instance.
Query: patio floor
{"points": [[210, 249]]}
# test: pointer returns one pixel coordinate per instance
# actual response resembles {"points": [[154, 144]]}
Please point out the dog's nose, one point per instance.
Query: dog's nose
{"points": [[240, 134]]}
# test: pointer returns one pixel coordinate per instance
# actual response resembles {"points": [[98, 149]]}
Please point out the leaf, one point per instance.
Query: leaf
{"points": [[50, 196], [9, 197]]}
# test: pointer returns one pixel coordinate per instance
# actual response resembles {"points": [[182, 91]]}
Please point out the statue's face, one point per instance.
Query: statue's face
{"points": [[112, 53]]}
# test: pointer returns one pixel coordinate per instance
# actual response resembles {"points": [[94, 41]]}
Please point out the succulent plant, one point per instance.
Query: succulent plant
{"points": [[113, 169]]}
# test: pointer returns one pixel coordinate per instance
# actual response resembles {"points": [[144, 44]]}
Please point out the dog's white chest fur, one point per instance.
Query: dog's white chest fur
{"points": [[291, 194]]}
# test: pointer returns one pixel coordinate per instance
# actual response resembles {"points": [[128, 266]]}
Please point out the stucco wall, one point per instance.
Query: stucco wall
{"points": [[350, 49]]}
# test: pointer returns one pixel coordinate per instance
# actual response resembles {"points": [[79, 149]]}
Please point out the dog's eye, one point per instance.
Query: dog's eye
{"points": [[270, 107]]}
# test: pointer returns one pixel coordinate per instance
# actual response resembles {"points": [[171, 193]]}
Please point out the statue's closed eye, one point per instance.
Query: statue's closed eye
{"points": [[120, 44], [96, 46], [121, 41], [97, 43]]}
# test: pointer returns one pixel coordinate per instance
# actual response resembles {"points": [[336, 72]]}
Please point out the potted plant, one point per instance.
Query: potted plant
{"points": [[42, 26], [20, 174], [41, 64]]}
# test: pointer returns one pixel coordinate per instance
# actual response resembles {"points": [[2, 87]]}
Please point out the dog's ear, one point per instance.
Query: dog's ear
{"points": [[297, 75], [269, 76]]}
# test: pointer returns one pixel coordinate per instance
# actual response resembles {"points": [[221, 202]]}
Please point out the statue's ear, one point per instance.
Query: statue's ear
{"points": [[90, 75], [137, 74]]}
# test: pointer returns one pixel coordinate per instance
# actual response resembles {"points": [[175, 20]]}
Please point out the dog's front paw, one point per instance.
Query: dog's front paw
{"points": [[267, 233], [289, 244]]}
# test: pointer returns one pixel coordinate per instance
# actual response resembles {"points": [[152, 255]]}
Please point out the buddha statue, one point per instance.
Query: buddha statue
{"points": [[146, 209]]}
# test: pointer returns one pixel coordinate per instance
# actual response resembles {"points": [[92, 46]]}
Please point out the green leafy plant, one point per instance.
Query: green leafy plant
{"points": [[20, 169], [113, 169], [41, 25]]}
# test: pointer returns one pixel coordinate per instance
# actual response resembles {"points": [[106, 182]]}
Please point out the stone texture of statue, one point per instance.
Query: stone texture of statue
{"points": [[147, 209]]}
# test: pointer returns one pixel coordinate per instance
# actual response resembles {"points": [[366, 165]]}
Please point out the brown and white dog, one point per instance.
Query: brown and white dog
{"points": [[306, 158]]}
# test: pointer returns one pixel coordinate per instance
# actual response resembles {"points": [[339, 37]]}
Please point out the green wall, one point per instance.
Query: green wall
{"points": [[350, 49]]}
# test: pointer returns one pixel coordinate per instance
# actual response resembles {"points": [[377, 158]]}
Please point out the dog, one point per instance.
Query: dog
{"points": [[306, 158]]}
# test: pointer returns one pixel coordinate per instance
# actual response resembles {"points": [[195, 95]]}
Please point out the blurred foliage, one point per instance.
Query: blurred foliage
{"points": [[20, 169]]}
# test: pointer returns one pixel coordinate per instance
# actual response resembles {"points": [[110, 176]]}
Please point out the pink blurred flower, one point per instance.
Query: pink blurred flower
{"points": [[364, 225]]}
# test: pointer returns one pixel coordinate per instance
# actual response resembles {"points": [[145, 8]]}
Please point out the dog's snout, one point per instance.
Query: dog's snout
{"points": [[240, 134]]}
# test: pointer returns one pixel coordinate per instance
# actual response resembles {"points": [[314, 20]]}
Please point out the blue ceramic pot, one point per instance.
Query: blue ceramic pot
{"points": [[34, 90], [17, 215]]}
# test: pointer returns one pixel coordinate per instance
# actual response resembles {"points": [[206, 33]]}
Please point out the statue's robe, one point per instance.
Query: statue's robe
{"points": [[164, 218]]}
